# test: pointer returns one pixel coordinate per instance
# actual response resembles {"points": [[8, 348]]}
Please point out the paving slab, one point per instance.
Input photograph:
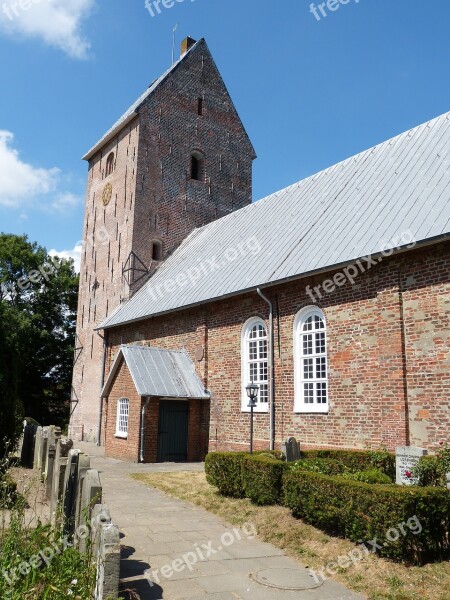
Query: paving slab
{"points": [[172, 550]]}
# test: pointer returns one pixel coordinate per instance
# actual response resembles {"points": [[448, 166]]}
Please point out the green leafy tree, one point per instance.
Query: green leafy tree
{"points": [[10, 409], [39, 294]]}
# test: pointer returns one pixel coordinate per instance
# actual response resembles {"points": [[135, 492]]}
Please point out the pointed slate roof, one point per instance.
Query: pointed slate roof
{"points": [[377, 200], [158, 373]]}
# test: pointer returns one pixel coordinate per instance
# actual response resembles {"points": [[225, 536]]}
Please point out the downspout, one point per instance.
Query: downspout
{"points": [[144, 412], [272, 370], [102, 383]]}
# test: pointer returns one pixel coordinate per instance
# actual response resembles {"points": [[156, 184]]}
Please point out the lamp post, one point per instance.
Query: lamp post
{"points": [[252, 393]]}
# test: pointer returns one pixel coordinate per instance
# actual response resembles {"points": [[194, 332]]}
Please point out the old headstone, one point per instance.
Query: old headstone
{"points": [[84, 464], [291, 450], [406, 459], [66, 444], [90, 493], [59, 473], [108, 563], [26, 453], [69, 491], [448, 480], [37, 447], [54, 433]]}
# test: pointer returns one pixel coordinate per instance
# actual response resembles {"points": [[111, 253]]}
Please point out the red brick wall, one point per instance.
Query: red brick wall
{"points": [[388, 350], [115, 447], [154, 198]]}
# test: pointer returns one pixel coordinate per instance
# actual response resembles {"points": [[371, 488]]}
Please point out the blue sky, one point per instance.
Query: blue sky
{"points": [[311, 91]]}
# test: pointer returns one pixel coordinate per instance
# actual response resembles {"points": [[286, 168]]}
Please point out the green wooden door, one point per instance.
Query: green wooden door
{"points": [[173, 431]]}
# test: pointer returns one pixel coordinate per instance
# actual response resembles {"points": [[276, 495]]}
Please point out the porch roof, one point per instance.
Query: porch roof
{"points": [[159, 373]]}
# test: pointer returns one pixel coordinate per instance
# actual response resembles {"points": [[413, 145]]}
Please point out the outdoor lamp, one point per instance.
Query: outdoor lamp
{"points": [[252, 393]]}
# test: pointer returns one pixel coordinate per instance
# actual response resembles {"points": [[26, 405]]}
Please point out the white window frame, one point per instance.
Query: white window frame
{"points": [[120, 431], [300, 406], [261, 407]]}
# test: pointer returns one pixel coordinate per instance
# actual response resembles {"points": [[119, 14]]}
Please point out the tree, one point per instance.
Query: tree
{"points": [[39, 294], [10, 409]]}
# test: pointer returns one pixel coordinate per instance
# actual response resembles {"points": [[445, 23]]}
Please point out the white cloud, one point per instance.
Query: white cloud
{"points": [[20, 181], [24, 185], [56, 22], [65, 201], [75, 253]]}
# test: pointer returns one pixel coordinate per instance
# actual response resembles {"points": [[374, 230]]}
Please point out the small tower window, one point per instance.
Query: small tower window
{"points": [[157, 253], [197, 166], [200, 107], [109, 164]]}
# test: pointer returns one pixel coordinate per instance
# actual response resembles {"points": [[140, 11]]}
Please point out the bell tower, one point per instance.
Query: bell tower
{"points": [[178, 159]]}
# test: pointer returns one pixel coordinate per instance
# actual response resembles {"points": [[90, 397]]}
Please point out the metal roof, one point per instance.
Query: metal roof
{"points": [[133, 110], [359, 207], [159, 373]]}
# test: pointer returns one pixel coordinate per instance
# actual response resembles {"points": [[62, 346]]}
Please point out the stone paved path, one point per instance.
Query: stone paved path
{"points": [[158, 530]]}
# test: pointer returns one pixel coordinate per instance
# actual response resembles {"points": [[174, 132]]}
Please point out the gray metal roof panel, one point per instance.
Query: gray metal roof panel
{"points": [[159, 373], [350, 210]]}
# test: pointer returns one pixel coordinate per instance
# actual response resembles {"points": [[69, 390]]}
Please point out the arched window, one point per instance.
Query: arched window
{"points": [[311, 363], [123, 412], [197, 166], [109, 164], [157, 250], [255, 366]]}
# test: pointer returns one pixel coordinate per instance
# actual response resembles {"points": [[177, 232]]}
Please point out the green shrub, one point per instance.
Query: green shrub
{"points": [[432, 470], [223, 470], [327, 466], [358, 460], [372, 476], [262, 478], [359, 511]]}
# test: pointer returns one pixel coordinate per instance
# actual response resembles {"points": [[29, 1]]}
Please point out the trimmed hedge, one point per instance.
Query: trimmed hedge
{"points": [[224, 470], [326, 466], [262, 478], [360, 511], [357, 460]]}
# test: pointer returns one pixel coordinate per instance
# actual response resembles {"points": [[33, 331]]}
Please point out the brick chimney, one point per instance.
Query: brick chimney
{"points": [[186, 44]]}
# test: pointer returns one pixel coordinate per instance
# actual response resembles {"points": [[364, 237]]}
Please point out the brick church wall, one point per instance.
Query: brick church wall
{"points": [[388, 349], [153, 198], [116, 447]]}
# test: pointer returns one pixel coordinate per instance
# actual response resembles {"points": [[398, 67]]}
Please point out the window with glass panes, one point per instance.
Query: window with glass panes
{"points": [[123, 411], [313, 360], [257, 363]]}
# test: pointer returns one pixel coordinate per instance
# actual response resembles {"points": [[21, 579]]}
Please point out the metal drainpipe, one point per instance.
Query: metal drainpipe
{"points": [[144, 411], [272, 370], [102, 383]]}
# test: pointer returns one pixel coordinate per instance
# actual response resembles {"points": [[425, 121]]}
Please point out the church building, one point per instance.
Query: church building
{"points": [[332, 295]]}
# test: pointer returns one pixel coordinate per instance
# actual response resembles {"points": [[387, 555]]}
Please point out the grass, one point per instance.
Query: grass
{"points": [[375, 577], [57, 572]]}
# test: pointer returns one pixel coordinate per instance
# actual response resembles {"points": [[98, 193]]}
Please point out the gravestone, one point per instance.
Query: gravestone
{"points": [[448, 480], [406, 459], [69, 491], [54, 433], [26, 453], [291, 450], [37, 447], [89, 493]]}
